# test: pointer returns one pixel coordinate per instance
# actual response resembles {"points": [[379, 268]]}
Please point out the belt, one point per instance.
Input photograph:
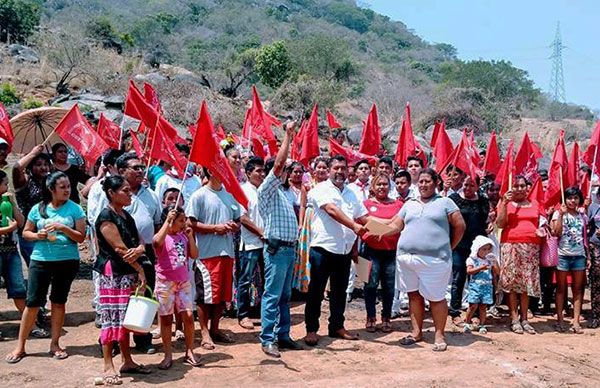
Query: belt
{"points": [[283, 243]]}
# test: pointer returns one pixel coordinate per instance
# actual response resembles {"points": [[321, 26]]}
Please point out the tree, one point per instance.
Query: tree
{"points": [[102, 31], [323, 56], [18, 20], [273, 64], [240, 70]]}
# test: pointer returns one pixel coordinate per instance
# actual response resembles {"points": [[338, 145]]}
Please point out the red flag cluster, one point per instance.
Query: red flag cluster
{"points": [[6, 132], [258, 123]]}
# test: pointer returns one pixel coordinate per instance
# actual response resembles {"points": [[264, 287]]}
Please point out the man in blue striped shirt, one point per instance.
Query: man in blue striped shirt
{"points": [[281, 235]]}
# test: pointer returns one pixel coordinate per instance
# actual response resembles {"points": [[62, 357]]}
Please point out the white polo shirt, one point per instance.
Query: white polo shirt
{"points": [[251, 241], [361, 190], [326, 232]]}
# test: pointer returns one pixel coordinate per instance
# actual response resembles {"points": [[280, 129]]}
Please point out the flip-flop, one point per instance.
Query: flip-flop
{"points": [[409, 340], [192, 362], [14, 360], [58, 354], [137, 370], [576, 329], [207, 345], [111, 380], [39, 333], [167, 366], [439, 347]]}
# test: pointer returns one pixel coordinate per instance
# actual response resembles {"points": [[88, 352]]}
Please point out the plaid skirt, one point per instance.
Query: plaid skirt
{"points": [[114, 297]]}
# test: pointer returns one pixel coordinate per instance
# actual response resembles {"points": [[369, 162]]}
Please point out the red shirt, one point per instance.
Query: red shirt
{"points": [[522, 222], [384, 211]]}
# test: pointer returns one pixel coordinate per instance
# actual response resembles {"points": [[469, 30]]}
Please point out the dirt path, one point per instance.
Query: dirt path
{"points": [[547, 359]]}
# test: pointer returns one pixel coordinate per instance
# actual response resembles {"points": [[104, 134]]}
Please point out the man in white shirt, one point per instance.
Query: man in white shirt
{"points": [[146, 210], [171, 180], [251, 247], [337, 222], [414, 166], [361, 185]]}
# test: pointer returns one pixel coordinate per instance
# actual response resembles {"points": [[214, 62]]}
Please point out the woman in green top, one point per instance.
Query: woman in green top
{"points": [[55, 225]]}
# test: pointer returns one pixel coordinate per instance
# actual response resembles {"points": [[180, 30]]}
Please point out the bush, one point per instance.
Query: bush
{"points": [[350, 16], [18, 19], [8, 94], [32, 103], [273, 64]]}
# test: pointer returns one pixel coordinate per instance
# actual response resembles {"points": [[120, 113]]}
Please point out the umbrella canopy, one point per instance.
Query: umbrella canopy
{"points": [[33, 127]]}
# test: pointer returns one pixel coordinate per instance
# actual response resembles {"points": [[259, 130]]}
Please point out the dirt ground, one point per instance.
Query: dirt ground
{"points": [[548, 359]]}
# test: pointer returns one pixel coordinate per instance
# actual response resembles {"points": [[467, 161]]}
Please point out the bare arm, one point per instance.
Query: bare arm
{"points": [[457, 228], [338, 215], [556, 226], [192, 247], [280, 159], [77, 234], [251, 226], [202, 228], [501, 218], [19, 178], [30, 234], [159, 238], [112, 236]]}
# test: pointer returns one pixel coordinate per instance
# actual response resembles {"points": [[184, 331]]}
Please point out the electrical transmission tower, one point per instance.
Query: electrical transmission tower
{"points": [[557, 81]]}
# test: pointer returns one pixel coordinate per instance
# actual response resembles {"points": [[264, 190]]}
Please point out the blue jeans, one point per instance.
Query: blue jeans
{"points": [[11, 270], [459, 277], [324, 266], [275, 308], [383, 269], [246, 265]]}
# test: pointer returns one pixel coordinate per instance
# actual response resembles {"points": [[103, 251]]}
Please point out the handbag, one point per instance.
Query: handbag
{"points": [[549, 251]]}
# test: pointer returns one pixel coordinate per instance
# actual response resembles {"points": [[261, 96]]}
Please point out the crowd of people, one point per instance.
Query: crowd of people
{"points": [[451, 244]]}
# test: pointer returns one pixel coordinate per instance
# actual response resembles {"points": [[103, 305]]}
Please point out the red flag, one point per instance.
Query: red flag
{"points": [[351, 155], [163, 148], [492, 162], [152, 97], [109, 131], [536, 194], [310, 141], [297, 141], [192, 131], [474, 150], [6, 132], [557, 166], [406, 140], [76, 131], [585, 186], [591, 157], [206, 152], [137, 146], [220, 132], [506, 171], [370, 143], [332, 121], [443, 146], [258, 148], [462, 157], [573, 167], [526, 160], [257, 122], [137, 107], [436, 131]]}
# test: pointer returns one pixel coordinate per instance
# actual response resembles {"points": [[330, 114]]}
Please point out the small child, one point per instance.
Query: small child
{"points": [[174, 244], [481, 267]]}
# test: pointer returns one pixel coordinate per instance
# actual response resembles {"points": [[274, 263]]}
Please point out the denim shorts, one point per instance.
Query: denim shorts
{"points": [[571, 263], [12, 272]]}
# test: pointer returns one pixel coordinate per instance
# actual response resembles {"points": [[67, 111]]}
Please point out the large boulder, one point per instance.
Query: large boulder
{"points": [[153, 78], [23, 53]]}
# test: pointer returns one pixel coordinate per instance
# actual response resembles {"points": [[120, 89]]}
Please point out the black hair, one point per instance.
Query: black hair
{"points": [[431, 172], [254, 162], [110, 157], [337, 158], [587, 170], [387, 160], [543, 174], [170, 190], [42, 156], [183, 148], [361, 162], [48, 185], [403, 174], [114, 183], [520, 176], [269, 164], [289, 169], [166, 210], [453, 167], [56, 146], [320, 159], [123, 160], [477, 180], [2, 175], [229, 147], [410, 158], [338, 131], [574, 191]]}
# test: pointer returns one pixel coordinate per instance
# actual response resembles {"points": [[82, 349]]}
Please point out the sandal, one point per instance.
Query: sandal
{"points": [[576, 329], [207, 345], [516, 327], [59, 354], [109, 380], [467, 328], [165, 366], [179, 336], [38, 332], [410, 340], [193, 361], [528, 328], [386, 326], [439, 347], [12, 359], [370, 325], [137, 370], [482, 330]]}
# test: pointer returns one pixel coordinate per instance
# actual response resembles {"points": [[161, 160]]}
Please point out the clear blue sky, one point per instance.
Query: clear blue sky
{"points": [[518, 31]]}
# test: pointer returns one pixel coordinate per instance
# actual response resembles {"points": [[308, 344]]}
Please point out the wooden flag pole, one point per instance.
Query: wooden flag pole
{"points": [[593, 170], [510, 180], [187, 165], [562, 188]]}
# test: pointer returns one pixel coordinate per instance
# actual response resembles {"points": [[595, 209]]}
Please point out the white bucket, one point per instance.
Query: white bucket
{"points": [[140, 312]]}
